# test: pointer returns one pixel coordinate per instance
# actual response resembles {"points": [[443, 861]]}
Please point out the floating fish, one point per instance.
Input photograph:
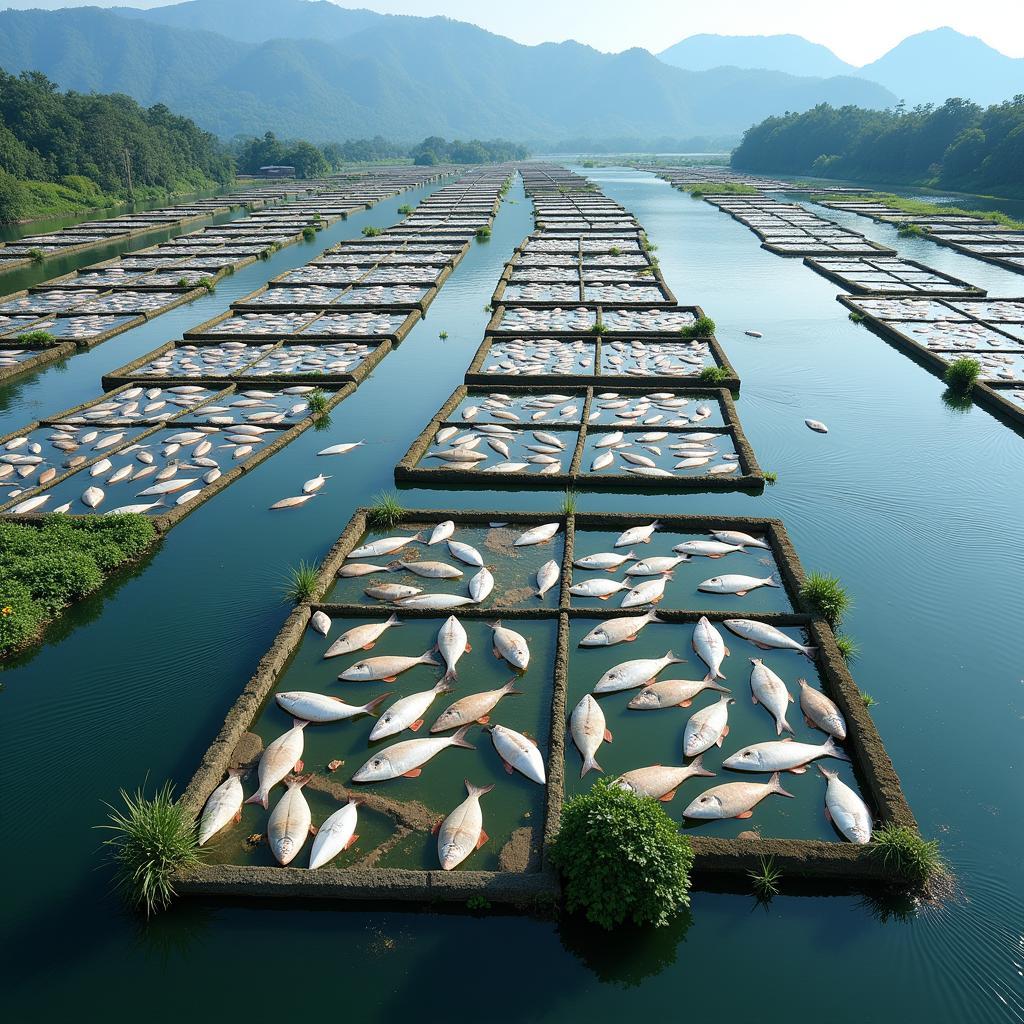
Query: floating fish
{"points": [[710, 647], [481, 585], [538, 535], [337, 833], [167, 487], [387, 667], [615, 631], [322, 707], [845, 809], [740, 539], [475, 707], [340, 449], [289, 823], [706, 548], [436, 602], [630, 674], [782, 756], [768, 689], [383, 546], [602, 589], [408, 757], [588, 730], [648, 592], [519, 753], [462, 831], [605, 560], [736, 584], [391, 592], [817, 426], [407, 712], [547, 577], [707, 728], [655, 566], [511, 646], [313, 485], [767, 637], [361, 569], [733, 799], [820, 712], [30, 504], [279, 758], [321, 622], [636, 535], [671, 693], [452, 642], [465, 553], [441, 532], [293, 502], [660, 781], [223, 806], [92, 496], [429, 570]]}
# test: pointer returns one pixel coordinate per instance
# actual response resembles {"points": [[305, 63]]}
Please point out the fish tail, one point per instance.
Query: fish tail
{"points": [[774, 786], [715, 686], [443, 685], [588, 764], [771, 581], [828, 773], [477, 790], [832, 749], [673, 660], [394, 566], [259, 797], [783, 724], [459, 739], [809, 651], [297, 781], [510, 686], [697, 764], [373, 704], [394, 620], [427, 658]]}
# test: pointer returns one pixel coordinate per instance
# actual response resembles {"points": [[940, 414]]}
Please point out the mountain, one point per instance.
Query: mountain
{"points": [[338, 74], [931, 66], [792, 54], [925, 68]]}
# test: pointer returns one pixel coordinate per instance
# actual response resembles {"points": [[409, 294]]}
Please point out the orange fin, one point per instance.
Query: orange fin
{"points": [[416, 726], [369, 646], [484, 720], [508, 767], [436, 827], [238, 816], [607, 735], [469, 647], [753, 698], [389, 679], [414, 774], [727, 651], [684, 703], [483, 839], [764, 647], [668, 796], [299, 765], [798, 770], [745, 814], [630, 639], [742, 593], [313, 829], [352, 842]]}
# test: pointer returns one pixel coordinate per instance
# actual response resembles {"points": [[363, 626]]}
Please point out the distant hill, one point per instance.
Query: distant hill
{"points": [[312, 69], [925, 68], [791, 54]]}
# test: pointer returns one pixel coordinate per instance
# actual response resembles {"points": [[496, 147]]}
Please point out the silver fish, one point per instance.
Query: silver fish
{"points": [[733, 799], [462, 831], [740, 539], [391, 592], [474, 707], [408, 757], [289, 823], [321, 707], [671, 693], [383, 546], [519, 753], [615, 631], [767, 637], [636, 535], [407, 712], [588, 729], [782, 756], [452, 642], [845, 809], [321, 622], [710, 647], [736, 584], [768, 689], [820, 712], [465, 553], [441, 532], [707, 727], [436, 602], [387, 667], [600, 588], [630, 674], [337, 833], [660, 781], [279, 758], [538, 535], [481, 585], [706, 548], [547, 577], [606, 560], [429, 570], [223, 806]]}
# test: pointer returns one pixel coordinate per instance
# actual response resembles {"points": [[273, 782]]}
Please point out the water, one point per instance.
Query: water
{"points": [[912, 505]]}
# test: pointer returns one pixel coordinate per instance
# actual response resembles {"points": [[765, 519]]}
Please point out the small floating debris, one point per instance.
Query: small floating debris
{"points": [[817, 426], [753, 334]]}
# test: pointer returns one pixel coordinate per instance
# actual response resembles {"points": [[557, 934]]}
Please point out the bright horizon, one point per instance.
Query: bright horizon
{"points": [[656, 24]]}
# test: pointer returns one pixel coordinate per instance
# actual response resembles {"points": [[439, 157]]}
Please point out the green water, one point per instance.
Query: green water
{"points": [[916, 508]]}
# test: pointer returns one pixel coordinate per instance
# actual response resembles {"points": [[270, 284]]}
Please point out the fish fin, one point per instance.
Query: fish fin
{"points": [[238, 816], [428, 659], [684, 703], [630, 639], [370, 706], [809, 652], [776, 787], [352, 841], [414, 773], [469, 647], [508, 768], [745, 814], [798, 770], [604, 597], [459, 739], [612, 569], [313, 830], [256, 798], [715, 556], [836, 751], [809, 722], [449, 674], [484, 837], [477, 790], [753, 697], [607, 735], [484, 720], [299, 765], [764, 647], [394, 621], [788, 739], [665, 798], [369, 647], [590, 763], [496, 653], [790, 696], [389, 679], [436, 827], [697, 764], [828, 815], [728, 653], [416, 726]]}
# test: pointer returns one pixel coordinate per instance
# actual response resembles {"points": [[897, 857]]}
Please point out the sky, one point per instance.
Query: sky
{"points": [[858, 34]]}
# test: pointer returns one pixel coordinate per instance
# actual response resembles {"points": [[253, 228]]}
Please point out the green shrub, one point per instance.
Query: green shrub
{"points": [[58, 578], [371, 232], [207, 284], [183, 282], [317, 401], [856, 317], [152, 839], [614, 251], [483, 233], [20, 616], [771, 478], [910, 231], [599, 328], [309, 233], [621, 858], [962, 374], [36, 255], [702, 327], [405, 209], [132, 533], [35, 339], [903, 850], [713, 375], [867, 700], [826, 596]]}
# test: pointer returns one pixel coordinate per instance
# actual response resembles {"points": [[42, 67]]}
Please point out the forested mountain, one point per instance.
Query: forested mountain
{"points": [[342, 73], [792, 54], [958, 146]]}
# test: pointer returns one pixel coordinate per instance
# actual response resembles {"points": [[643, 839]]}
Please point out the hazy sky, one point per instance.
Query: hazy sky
{"points": [[857, 33]]}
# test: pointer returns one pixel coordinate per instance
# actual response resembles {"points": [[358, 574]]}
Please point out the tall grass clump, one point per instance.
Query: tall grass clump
{"points": [[371, 232], [765, 880], [300, 582], [35, 339], [317, 401], [151, 839], [826, 596], [910, 231], [713, 375], [405, 209], [621, 858], [386, 511], [309, 233], [962, 374], [848, 647], [904, 851], [702, 327], [569, 503], [483, 233]]}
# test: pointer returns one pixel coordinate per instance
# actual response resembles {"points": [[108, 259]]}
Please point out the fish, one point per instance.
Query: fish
{"points": [[767, 637], [292, 502], [603, 461], [461, 454], [92, 496], [289, 823], [436, 602], [707, 728], [30, 504], [360, 569], [609, 440], [740, 539], [116, 477], [359, 637], [648, 592], [538, 535], [606, 560], [101, 467], [671, 693], [452, 642], [736, 584], [391, 592], [845, 809], [341, 449], [615, 631], [733, 799], [313, 485], [599, 588], [134, 509], [462, 831], [660, 781], [636, 535], [429, 570], [337, 833], [511, 646], [407, 712], [383, 546], [465, 553], [519, 753], [817, 426], [782, 756], [408, 757], [710, 647], [655, 566], [441, 532], [167, 486], [630, 674], [321, 622], [279, 758], [444, 433], [820, 712], [474, 707], [322, 707], [768, 689], [547, 577], [706, 548], [588, 730], [387, 667], [481, 585], [224, 805]]}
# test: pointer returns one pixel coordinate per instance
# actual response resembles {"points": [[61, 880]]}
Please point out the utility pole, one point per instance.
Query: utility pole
{"points": [[127, 160]]}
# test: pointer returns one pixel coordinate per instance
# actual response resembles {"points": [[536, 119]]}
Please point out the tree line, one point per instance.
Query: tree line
{"points": [[958, 145]]}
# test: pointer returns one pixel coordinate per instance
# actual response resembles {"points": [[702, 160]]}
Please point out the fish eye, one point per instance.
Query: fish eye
{"points": [[377, 762]]}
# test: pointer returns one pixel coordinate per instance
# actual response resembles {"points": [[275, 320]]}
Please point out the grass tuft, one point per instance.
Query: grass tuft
{"points": [[443, 335], [317, 401], [713, 375], [386, 511], [856, 317], [765, 880], [300, 582], [36, 255], [371, 232], [867, 700], [770, 478], [910, 231], [405, 209], [702, 327], [35, 339], [569, 503], [908, 854], [599, 328], [152, 839], [962, 374], [826, 596], [483, 233], [848, 647], [309, 233]]}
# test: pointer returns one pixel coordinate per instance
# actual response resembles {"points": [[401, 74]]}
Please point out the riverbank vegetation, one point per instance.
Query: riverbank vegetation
{"points": [[958, 146]]}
